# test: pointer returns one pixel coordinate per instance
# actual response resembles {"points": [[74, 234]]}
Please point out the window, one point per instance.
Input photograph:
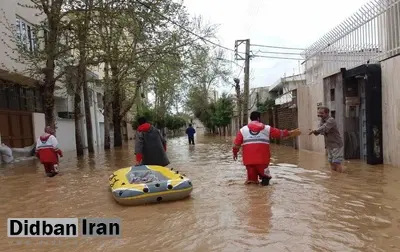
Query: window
{"points": [[13, 98], [332, 94], [3, 97], [30, 100], [22, 98], [333, 113], [25, 34], [39, 101], [99, 101]]}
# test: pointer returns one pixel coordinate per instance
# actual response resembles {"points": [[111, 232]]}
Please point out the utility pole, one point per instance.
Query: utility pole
{"points": [[246, 90], [238, 103]]}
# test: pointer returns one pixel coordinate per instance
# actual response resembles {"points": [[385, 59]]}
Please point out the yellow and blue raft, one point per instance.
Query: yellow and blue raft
{"points": [[146, 184]]}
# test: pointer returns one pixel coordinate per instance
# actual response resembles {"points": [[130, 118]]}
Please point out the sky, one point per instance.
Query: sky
{"points": [[283, 23]]}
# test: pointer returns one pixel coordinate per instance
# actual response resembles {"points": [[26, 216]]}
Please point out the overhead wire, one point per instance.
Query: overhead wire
{"points": [[273, 57], [278, 47], [285, 53], [185, 29], [205, 40]]}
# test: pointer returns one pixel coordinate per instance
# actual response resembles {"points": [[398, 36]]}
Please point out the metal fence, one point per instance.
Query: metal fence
{"points": [[369, 35]]}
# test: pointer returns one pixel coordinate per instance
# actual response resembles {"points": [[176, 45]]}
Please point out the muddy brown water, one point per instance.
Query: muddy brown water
{"points": [[306, 207]]}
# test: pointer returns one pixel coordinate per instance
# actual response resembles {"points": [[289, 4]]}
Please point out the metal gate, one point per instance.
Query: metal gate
{"points": [[363, 122], [16, 128]]}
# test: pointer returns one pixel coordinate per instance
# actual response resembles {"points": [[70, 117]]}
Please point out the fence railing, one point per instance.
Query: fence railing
{"points": [[369, 35]]}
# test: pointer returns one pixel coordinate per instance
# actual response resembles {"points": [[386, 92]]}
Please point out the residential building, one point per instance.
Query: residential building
{"points": [[64, 110], [353, 70], [21, 103], [258, 95], [284, 90]]}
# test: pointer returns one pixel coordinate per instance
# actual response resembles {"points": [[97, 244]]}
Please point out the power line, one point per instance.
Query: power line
{"points": [[183, 28], [288, 53], [279, 47], [211, 42], [272, 57]]}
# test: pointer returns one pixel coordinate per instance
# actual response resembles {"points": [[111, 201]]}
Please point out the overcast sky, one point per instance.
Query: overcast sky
{"points": [[284, 23]]}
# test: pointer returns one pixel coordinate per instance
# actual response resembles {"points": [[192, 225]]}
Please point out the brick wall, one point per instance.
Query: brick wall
{"points": [[267, 117], [282, 118]]}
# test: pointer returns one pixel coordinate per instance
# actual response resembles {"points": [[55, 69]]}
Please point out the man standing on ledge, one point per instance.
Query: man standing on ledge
{"points": [[255, 137], [150, 145], [333, 140]]}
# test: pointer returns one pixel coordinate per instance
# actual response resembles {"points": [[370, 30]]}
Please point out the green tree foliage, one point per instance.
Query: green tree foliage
{"points": [[223, 111], [214, 114], [137, 38], [170, 121], [265, 106], [208, 70], [174, 122]]}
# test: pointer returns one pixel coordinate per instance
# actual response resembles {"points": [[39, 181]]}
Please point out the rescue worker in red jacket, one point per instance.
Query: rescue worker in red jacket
{"points": [[150, 145], [47, 151], [255, 138]]}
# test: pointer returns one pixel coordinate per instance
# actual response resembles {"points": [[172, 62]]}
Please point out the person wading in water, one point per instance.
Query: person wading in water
{"points": [[150, 145], [47, 151], [333, 141], [190, 131], [255, 138]]}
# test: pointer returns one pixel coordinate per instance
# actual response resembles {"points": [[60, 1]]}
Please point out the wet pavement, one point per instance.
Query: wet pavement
{"points": [[306, 207]]}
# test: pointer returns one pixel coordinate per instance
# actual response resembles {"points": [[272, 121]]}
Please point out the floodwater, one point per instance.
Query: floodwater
{"points": [[306, 207]]}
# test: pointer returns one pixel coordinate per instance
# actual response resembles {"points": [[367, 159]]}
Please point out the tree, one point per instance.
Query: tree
{"points": [[134, 37], [81, 38], [174, 122], [207, 70], [263, 107], [223, 112], [82, 34], [47, 58]]}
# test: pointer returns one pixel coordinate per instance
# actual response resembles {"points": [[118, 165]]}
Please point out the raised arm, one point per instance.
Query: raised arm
{"points": [[275, 133], [325, 127]]}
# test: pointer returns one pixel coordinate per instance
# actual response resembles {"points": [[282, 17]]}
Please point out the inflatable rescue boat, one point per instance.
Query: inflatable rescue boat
{"points": [[146, 184]]}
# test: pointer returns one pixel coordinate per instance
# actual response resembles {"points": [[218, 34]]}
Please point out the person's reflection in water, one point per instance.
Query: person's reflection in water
{"points": [[259, 212]]}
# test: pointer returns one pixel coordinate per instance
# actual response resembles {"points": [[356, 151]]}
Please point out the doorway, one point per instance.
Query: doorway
{"points": [[16, 128], [363, 113]]}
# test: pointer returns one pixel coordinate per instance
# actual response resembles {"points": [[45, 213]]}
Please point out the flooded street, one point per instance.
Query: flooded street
{"points": [[306, 207]]}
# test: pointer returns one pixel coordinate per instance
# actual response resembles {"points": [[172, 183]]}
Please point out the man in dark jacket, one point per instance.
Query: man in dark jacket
{"points": [[150, 145], [190, 132]]}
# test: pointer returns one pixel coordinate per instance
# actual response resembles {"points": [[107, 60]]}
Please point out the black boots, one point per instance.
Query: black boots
{"points": [[265, 181]]}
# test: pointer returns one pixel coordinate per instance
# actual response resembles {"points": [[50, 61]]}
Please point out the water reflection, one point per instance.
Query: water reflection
{"points": [[306, 208]]}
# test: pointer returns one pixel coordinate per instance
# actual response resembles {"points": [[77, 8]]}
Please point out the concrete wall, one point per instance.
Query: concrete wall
{"points": [[38, 125], [391, 110], [66, 134], [335, 82], [307, 99]]}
